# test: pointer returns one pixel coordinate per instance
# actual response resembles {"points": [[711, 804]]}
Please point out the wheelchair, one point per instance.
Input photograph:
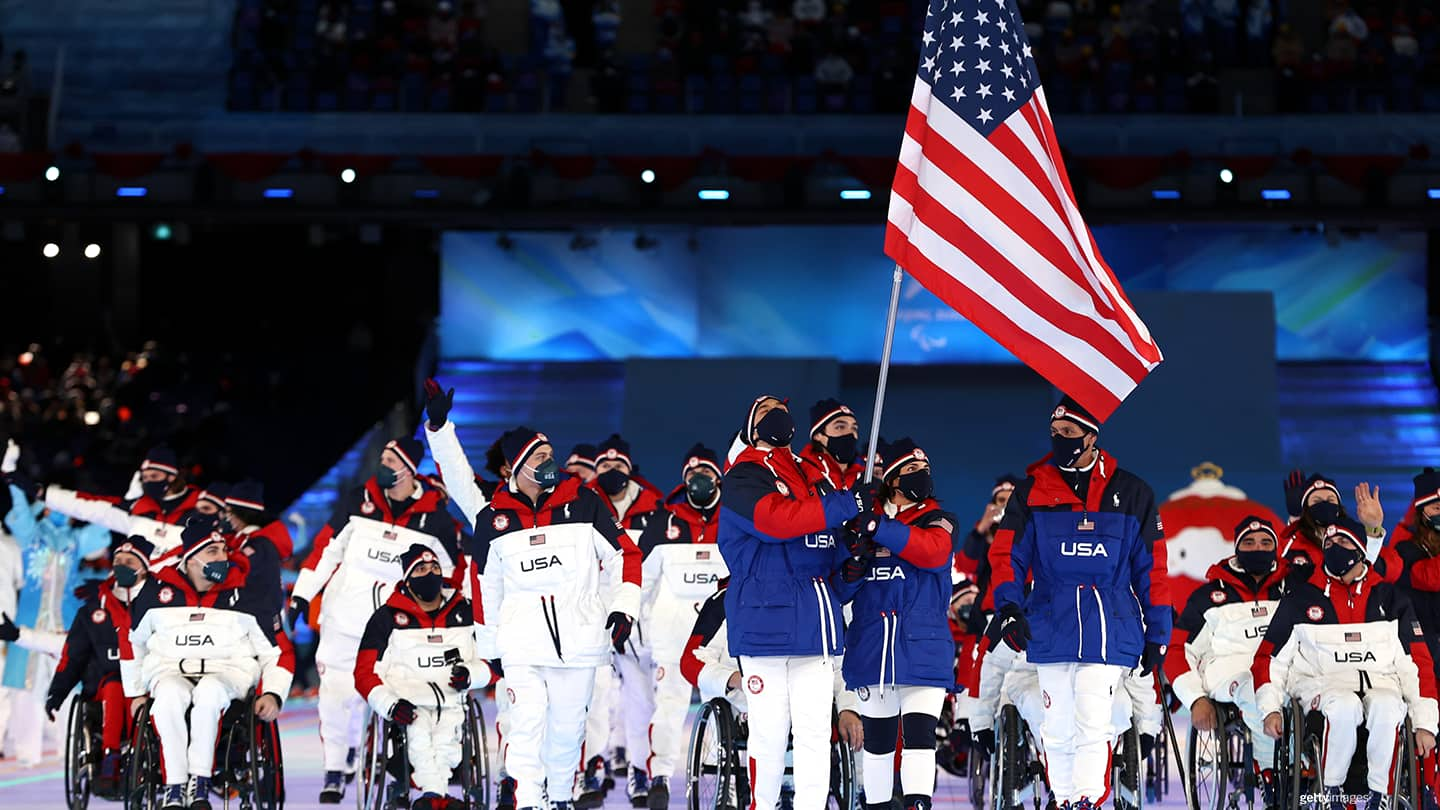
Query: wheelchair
{"points": [[1017, 776], [1127, 777], [716, 774], [1220, 763], [83, 751], [384, 772], [1298, 763], [249, 772], [1157, 768]]}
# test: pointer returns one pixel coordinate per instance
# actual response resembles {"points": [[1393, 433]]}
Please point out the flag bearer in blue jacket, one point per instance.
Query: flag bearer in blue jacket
{"points": [[777, 535], [1088, 536], [899, 654]]}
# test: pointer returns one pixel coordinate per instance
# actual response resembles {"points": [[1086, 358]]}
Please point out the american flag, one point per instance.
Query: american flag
{"points": [[982, 212]]}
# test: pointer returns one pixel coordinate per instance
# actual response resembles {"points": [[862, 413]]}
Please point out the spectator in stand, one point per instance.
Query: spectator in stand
{"points": [[808, 11], [833, 73]]}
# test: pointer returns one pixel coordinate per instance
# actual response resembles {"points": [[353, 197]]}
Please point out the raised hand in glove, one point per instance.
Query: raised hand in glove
{"points": [[298, 608], [1152, 659], [864, 495], [619, 626], [865, 524], [1294, 490], [11, 460], [459, 678], [437, 403], [854, 568], [1011, 627], [403, 712], [53, 703], [8, 630], [984, 741]]}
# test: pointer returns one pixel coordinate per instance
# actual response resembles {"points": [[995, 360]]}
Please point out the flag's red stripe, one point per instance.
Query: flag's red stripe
{"points": [[966, 172], [1050, 364], [1046, 129], [938, 218]]}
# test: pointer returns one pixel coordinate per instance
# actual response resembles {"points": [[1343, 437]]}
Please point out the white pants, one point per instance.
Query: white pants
{"points": [[597, 721], [667, 724], [6, 695], [1382, 711], [917, 758], [1078, 728], [342, 710], [433, 742], [502, 722], [637, 697], [1240, 690], [190, 751], [790, 697], [547, 729]]}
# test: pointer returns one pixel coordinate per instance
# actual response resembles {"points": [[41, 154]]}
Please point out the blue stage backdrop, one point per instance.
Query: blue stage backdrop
{"points": [[821, 291]]}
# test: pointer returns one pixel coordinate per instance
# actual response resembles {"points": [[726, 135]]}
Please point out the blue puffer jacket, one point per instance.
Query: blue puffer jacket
{"points": [[899, 631], [776, 537], [1098, 568]]}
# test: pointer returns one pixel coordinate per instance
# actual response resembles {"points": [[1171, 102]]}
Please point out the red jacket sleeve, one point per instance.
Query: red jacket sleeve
{"points": [[372, 646]]}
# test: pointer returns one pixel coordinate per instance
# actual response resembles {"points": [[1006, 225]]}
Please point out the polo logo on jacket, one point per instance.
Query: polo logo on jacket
{"points": [[1083, 549]]}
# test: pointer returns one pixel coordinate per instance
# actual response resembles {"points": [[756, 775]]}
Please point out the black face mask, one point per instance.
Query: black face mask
{"points": [[1065, 452], [385, 477], [917, 486], [1256, 562], [546, 474], [700, 490], [216, 571], [1433, 522], [776, 428], [843, 448], [1340, 559], [1324, 513], [225, 525], [427, 587], [155, 490], [613, 482], [125, 576]]}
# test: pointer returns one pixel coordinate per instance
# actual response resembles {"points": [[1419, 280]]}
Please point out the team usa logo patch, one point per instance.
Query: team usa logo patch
{"points": [[672, 532], [98, 617], [1315, 613], [863, 693], [166, 596], [402, 620], [367, 508], [500, 523], [781, 488], [754, 685], [1217, 597]]}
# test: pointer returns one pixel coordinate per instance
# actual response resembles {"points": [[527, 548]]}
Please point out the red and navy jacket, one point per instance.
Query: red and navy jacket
{"points": [[823, 466], [91, 655], [421, 638], [679, 522], [1419, 580], [1226, 585], [427, 514], [1304, 555], [707, 623], [899, 629], [266, 548], [646, 503], [1100, 589], [778, 537]]}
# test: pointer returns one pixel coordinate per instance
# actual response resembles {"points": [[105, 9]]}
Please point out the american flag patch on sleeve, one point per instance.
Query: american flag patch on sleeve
{"points": [[537, 539]]}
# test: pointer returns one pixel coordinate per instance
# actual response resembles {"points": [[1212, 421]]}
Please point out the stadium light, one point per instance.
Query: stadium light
{"points": [[131, 191], [161, 232], [1274, 193], [92, 418], [1432, 193], [52, 173], [647, 177], [279, 193], [1165, 194], [347, 175], [92, 251], [714, 194], [51, 250], [855, 194], [1227, 176]]}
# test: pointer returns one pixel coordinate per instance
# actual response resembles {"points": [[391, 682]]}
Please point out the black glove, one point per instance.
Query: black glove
{"points": [[865, 524], [984, 741], [972, 618], [53, 702], [620, 626], [437, 403], [459, 678], [1147, 745], [854, 568], [8, 630], [403, 712], [1012, 627], [1294, 490], [298, 608], [1152, 659], [864, 495]]}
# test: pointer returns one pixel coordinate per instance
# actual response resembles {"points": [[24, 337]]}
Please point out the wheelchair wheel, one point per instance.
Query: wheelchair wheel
{"points": [[1157, 768], [843, 795], [384, 773], [979, 771], [714, 776], [142, 777], [1015, 781], [1302, 763], [1125, 780], [1405, 774], [81, 755], [1208, 767], [475, 757], [371, 772]]}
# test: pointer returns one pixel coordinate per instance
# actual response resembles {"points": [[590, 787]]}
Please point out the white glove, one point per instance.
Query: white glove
{"points": [[11, 461], [135, 490]]}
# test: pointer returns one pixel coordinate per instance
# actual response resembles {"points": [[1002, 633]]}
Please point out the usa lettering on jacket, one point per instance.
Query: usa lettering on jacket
{"points": [[885, 573], [1083, 549], [540, 563]]}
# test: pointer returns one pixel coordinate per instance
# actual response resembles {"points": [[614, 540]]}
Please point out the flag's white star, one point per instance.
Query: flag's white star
{"points": [[1005, 47], [983, 66], [958, 94], [1026, 50], [957, 18], [984, 91], [985, 116], [1008, 71], [1024, 80], [983, 42], [929, 64], [1004, 26], [956, 68], [982, 18], [1008, 94], [929, 37], [957, 43], [936, 76]]}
